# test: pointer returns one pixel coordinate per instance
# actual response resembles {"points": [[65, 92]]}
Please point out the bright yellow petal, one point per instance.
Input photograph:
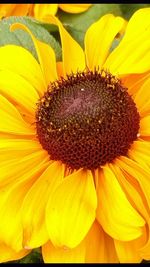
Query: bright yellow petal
{"points": [[11, 120], [99, 38], [145, 250], [74, 8], [129, 252], [45, 54], [18, 90], [132, 54], [141, 158], [132, 190], [13, 169], [8, 254], [142, 98], [11, 198], [114, 211], [21, 62], [99, 246], [12, 148], [42, 10], [145, 126], [35, 233], [71, 209], [74, 59], [52, 254], [140, 174]]}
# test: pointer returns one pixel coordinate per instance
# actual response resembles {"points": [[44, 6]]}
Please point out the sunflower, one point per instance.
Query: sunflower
{"points": [[39, 11], [75, 145]]}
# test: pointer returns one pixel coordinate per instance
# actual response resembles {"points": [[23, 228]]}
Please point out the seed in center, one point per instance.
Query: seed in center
{"points": [[87, 120]]}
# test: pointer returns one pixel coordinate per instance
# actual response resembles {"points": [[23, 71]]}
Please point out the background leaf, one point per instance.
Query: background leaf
{"points": [[129, 9], [21, 38], [77, 24]]}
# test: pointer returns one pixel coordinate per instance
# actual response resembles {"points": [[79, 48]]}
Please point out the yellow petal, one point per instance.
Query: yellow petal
{"points": [[74, 60], [132, 54], [18, 90], [42, 10], [145, 126], [35, 233], [60, 69], [8, 254], [71, 209], [11, 120], [21, 62], [20, 10], [99, 246], [141, 158], [45, 54], [142, 98], [52, 254], [145, 250], [114, 211], [129, 252], [11, 198], [74, 8], [6, 10], [16, 149], [140, 174], [134, 82], [99, 38], [13, 169], [132, 190]]}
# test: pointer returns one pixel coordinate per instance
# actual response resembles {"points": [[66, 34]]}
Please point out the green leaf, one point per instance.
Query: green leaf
{"points": [[21, 38], [129, 9], [34, 257], [77, 24]]}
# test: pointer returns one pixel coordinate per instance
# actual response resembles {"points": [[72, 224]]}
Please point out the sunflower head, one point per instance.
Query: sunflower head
{"points": [[87, 120]]}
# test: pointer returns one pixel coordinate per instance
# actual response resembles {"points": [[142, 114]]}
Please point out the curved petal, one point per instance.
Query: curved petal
{"points": [[11, 120], [145, 126], [18, 90], [104, 249], [42, 10], [132, 191], [21, 62], [133, 53], [45, 54], [140, 174], [99, 38], [11, 198], [8, 254], [129, 252], [114, 211], [71, 209], [35, 233], [74, 8], [52, 254], [74, 59], [142, 98]]}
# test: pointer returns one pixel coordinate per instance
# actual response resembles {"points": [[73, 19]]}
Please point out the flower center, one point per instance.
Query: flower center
{"points": [[87, 120]]}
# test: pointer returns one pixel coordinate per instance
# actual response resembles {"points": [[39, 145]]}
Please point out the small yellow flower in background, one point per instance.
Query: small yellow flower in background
{"points": [[75, 145], [39, 11]]}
